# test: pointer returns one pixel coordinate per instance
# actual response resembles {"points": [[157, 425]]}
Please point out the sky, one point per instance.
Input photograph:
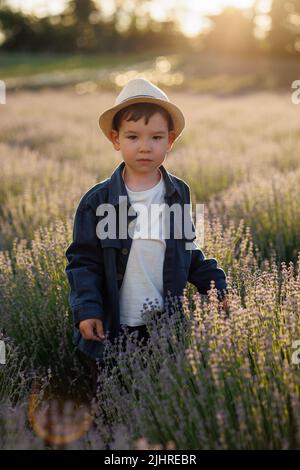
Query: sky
{"points": [[190, 12]]}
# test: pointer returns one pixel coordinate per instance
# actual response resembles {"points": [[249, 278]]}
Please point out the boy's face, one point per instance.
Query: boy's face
{"points": [[138, 141]]}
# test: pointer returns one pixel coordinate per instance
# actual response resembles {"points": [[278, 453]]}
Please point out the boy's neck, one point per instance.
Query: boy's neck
{"points": [[140, 182]]}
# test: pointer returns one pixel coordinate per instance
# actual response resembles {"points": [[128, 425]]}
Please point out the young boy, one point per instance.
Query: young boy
{"points": [[113, 273]]}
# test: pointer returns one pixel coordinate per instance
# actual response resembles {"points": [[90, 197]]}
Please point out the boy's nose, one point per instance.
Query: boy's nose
{"points": [[145, 152], [145, 146]]}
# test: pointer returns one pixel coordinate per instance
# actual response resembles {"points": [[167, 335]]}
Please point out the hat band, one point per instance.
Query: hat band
{"points": [[142, 96]]}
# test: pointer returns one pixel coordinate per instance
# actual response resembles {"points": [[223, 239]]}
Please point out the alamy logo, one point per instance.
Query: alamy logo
{"points": [[296, 94], [296, 354], [2, 352], [152, 221], [2, 92]]}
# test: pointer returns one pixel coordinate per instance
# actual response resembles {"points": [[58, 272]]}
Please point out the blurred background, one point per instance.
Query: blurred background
{"points": [[223, 45]]}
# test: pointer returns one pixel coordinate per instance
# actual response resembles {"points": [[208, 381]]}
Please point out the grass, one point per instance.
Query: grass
{"points": [[16, 64], [210, 73]]}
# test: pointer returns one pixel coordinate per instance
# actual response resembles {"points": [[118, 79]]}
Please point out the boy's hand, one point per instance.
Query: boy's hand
{"points": [[92, 329]]}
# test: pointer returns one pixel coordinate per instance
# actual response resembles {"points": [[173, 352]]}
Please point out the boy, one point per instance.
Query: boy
{"points": [[112, 276]]}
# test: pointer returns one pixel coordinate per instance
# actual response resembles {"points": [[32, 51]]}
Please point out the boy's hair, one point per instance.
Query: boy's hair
{"points": [[136, 111]]}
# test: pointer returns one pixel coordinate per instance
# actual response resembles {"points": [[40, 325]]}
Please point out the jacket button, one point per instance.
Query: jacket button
{"points": [[119, 276], [124, 251]]}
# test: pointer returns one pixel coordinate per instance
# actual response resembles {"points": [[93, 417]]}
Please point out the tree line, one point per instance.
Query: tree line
{"points": [[83, 28]]}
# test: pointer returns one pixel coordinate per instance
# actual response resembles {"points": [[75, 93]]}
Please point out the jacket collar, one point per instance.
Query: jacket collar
{"points": [[117, 187]]}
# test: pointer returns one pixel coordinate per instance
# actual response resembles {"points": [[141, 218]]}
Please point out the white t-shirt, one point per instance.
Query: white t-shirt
{"points": [[143, 277]]}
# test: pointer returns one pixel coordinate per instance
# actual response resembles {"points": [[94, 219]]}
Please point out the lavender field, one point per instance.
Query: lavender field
{"points": [[213, 382]]}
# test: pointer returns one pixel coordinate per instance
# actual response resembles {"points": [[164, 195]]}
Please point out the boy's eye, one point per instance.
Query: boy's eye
{"points": [[155, 137]]}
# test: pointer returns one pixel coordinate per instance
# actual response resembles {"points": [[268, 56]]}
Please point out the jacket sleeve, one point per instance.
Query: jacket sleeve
{"points": [[85, 270], [204, 270]]}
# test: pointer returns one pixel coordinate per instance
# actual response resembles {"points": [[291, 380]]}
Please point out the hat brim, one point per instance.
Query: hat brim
{"points": [[106, 118]]}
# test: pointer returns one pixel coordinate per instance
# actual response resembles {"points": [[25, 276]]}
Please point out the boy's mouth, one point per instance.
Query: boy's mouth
{"points": [[144, 160]]}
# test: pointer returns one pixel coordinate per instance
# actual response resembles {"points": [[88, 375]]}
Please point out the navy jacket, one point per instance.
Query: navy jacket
{"points": [[96, 267]]}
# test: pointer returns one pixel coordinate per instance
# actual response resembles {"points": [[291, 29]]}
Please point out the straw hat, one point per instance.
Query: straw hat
{"points": [[140, 90]]}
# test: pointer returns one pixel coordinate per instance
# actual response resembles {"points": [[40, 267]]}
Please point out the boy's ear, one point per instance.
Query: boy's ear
{"points": [[115, 139], [172, 136]]}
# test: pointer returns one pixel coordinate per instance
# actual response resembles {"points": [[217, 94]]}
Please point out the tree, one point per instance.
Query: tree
{"points": [[284, 36], [81, 17], [17, 29], [232, 32]]}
